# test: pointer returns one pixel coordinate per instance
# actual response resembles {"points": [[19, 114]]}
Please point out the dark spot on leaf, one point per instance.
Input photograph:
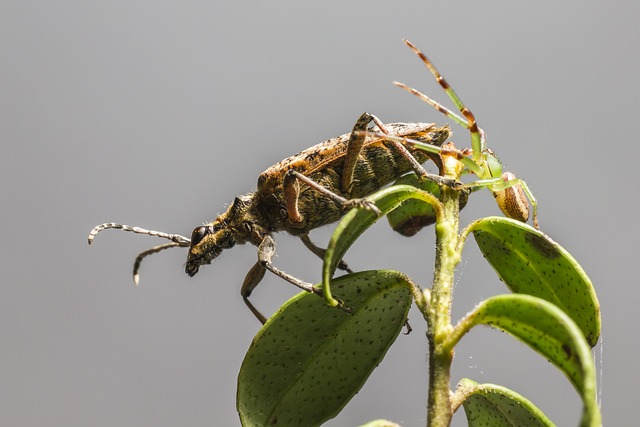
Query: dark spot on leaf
{"points": [[543, 244], [567, 350]]}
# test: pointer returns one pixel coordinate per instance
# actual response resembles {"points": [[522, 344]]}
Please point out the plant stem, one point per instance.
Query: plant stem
{"points": [[439, 316]]}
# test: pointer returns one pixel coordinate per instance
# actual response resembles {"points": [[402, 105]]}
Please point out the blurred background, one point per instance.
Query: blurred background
{"points": [[157, 114]]}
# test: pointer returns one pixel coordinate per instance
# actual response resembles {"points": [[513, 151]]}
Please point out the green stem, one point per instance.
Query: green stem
{"points": [[439, 316]]}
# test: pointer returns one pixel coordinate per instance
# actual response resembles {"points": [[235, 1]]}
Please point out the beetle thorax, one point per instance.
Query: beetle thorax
{"points": [[241, 223]]}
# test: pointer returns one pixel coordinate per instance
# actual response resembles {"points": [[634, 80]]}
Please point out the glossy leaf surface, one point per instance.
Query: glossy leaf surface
{"points": [[529, 262], [547, 330], [497, 406], [309, 359]]}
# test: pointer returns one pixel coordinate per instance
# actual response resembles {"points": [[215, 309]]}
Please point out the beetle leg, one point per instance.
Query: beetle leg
{"points": [[320, 252], [251, 280], [266, 249], [356, 142], [292, 190], [354, 146]]}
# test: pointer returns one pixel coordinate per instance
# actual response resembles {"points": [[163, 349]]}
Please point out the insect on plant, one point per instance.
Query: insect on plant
{"points": [[310, 189], [316, 186], [309, 360]]}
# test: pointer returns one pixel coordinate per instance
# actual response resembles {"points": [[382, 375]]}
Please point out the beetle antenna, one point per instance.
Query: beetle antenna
{"points": [[177, 239], [144, 254]]}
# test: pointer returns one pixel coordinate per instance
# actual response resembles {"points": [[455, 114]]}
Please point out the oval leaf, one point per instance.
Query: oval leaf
{"points": [[357, 221], [529, 262], [413, 214], [309, 359], [549, 331], [497, 406]]}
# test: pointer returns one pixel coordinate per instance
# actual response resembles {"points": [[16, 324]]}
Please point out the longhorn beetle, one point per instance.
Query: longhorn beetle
{"points": [[316, 186], [305, 191]]}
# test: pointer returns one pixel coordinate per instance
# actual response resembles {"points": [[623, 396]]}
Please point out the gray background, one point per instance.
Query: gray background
{"points": [[157, 114]]}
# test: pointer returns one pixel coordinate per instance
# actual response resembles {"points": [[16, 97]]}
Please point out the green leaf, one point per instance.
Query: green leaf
{"points": [[497, 406], [546, 329], [414, 214], [529, 262], [357, 221], [309, 359]]}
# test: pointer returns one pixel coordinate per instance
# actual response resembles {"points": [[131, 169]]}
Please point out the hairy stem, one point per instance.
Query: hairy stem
{"points": [[439, 316]]}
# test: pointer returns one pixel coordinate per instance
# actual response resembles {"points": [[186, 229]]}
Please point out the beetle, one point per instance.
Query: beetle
{"points": [[300, 193]]}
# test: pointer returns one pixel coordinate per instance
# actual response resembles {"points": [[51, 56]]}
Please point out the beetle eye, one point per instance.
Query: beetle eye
{"points": [[198, 234]]}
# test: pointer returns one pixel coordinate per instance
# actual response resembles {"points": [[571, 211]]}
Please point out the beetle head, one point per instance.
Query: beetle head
{"points": [[207, 242], [235, 226]]}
